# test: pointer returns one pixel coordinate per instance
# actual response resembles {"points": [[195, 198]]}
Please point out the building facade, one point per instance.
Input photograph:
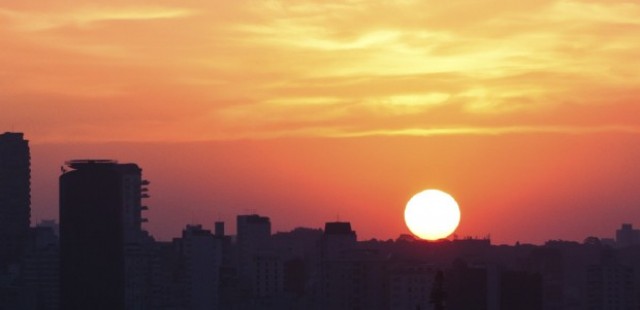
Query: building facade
{"points": [[202, 254], [15, 196], [101, 236]]}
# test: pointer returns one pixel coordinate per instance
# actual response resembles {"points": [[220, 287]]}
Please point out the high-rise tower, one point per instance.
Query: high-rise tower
{"points": [[133, 190], [253, 234], [100, 212], [253, 238], [15, 196]]}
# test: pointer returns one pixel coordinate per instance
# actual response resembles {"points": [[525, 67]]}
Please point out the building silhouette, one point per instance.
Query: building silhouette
{"points": [[40, 269], [202, 254], [627, 236], [134, 189], [410, 284], [253, 241], [15, 197], [253, 236], [100, 257], [610, 284], [520, 290], [100, 223], [253, 233], [138, 244], [350, 277], [338, 239]]}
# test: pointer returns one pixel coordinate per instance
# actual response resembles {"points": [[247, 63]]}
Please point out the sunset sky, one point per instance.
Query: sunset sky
{"points": [[306, 111]]}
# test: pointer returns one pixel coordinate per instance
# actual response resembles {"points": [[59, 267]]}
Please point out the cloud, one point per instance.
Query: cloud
{"points": [[491, 131], [223, 69], [85, 17]]}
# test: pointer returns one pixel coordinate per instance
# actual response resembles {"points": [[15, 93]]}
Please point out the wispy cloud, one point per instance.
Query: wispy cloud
{"points": [[243, 68], [451, 131], [85, 17]]}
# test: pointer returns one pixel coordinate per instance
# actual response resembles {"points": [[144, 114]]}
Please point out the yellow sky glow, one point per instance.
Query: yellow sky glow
{"points": [[253, 69]]}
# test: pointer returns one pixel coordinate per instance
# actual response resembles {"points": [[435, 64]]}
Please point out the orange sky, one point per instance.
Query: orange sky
{"points": [[353, 105]]}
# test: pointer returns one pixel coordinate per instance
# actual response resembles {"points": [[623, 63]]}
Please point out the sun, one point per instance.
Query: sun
{"points": [[432, 214]]}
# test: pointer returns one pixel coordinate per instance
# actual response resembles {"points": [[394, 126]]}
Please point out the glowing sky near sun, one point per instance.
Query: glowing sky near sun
{"points": [[167, 71]]}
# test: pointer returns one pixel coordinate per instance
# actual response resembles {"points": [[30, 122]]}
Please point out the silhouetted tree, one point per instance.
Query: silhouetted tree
{"points": [[438, 295], [595, 241]]}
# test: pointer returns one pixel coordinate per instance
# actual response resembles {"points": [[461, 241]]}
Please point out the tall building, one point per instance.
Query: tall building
{"points": [[253, 238], [627, 236], [349, 277], [133, 190], [202, 254], [15, 196], [410, 284], [610, 284], [138, 244], [253, 230], [41, 268], [254, 233], [338, 240], [100, 217]]}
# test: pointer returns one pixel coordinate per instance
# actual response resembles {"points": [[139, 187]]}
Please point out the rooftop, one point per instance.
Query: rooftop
{"points": [[83, 163]]}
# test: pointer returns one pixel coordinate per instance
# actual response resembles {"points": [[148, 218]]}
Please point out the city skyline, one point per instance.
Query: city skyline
{"points": [[100, 257], [226, 205], [525, 112], [138, 189]]}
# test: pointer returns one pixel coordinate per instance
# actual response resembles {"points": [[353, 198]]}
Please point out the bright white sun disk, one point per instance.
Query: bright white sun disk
{"points": [[432, 214]]}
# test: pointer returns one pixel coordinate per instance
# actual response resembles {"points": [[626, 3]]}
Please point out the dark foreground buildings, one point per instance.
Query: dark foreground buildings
{"points": [[104, 259], [15, 197], [100, 216]]}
